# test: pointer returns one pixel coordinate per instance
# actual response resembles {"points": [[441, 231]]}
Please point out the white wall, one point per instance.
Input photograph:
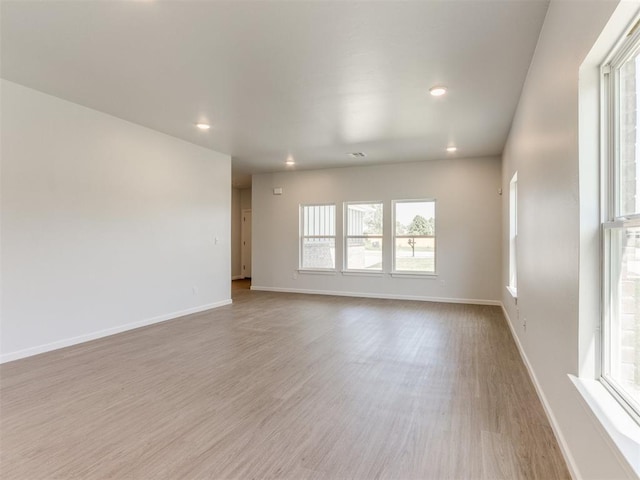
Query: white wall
{"points": [[468, 227], [105, 224], [543, 149]]}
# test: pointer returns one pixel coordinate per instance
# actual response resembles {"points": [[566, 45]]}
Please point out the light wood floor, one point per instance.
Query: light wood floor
{"points": [[283, 386]]}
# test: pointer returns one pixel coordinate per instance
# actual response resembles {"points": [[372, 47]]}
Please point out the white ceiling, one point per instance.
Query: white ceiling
{"points": [[312, 79]]}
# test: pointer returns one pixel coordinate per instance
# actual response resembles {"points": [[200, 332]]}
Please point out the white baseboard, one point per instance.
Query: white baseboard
{"points": [[67, 342], [379, 295], [564, 447], [237, 277]]}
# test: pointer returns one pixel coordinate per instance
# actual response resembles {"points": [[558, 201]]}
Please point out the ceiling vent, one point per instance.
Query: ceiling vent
{"points": [[357, 155]]}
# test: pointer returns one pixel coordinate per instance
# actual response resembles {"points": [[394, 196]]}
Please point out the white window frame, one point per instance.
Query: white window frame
{"points": [[302, 238], [395, 271], [513, 236], [347, 237], [611, 219]]}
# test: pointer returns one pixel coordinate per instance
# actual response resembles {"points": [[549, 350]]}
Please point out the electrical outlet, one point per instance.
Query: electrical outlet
{"points": [[442, 283], [295, 275], [195, 290], [524, 324]]}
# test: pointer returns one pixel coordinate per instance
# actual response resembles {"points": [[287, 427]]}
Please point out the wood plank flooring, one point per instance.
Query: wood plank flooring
{"points": [[283, 386]]}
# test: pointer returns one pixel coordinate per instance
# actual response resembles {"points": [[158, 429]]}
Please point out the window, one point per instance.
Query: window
{"points": [[318, 237], [363, 241], [414, 241], [620, 369], [513, 235]]}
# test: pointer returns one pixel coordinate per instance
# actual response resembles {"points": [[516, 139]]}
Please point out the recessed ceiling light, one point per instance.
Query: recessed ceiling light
{"points": [[290, 161], [438, 91], [203, 126], [357, 154], [452, 149]]}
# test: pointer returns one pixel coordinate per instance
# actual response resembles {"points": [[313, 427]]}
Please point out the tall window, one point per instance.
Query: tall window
{"points": [[513, 235], [414, 236], [318, 237], [364, 236], [621, 226]]}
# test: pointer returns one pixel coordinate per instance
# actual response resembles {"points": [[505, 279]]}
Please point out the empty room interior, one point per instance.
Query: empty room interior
{"points": [[320, 239]]}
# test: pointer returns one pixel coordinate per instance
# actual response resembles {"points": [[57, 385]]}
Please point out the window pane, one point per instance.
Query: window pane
{"points": [[318, 252], [623, 354], [628, 178], [364, 219], [415, 218], [513, 231], [319, 220], [364, 253], [415, 255]]}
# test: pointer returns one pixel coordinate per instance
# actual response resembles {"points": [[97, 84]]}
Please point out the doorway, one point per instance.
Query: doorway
{"points": [[245, 243]]}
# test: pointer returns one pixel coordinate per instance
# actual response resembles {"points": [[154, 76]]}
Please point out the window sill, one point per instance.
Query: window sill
{"points": [[513, 291], [621, 429], [366, 273], [317, 272], [413, 275]]}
